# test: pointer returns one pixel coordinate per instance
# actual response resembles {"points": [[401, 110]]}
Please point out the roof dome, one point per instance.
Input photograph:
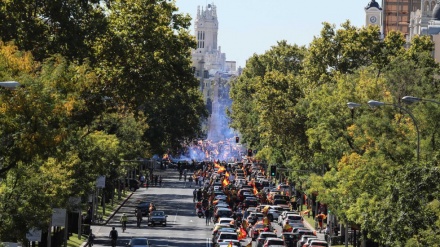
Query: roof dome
{"points": [[372, 4]]}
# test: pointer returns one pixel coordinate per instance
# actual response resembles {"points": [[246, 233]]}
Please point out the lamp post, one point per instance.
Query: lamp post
{"points": [[374, 103], [412, 99]]}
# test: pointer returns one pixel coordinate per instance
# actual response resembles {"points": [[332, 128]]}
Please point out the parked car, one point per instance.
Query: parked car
{"points": [[158, 218]]}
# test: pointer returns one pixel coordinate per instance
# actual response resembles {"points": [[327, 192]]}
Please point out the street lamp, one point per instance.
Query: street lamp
{"points": [[412, 99], [374, 103]]}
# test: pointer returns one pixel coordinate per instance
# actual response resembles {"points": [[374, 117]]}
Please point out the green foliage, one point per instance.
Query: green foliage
{"points": [[360, 162]]}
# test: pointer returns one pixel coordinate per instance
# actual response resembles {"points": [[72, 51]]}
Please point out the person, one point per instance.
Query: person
{"points": [[287, 227], [142, 179], [139, 217], [114, 236], [199, 195], [160, 181], [147, 183], [90, 239], [208, 216], [151, 209], [320, 218], [124, 222], [190, 180], [194, 194]]}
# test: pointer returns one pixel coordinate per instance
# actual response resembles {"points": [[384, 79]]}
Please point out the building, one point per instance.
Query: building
{"points": [[397, 14], [213, 72], [373, 15]]}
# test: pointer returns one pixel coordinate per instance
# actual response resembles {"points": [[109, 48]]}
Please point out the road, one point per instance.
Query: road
{"points": [[183, 228]]}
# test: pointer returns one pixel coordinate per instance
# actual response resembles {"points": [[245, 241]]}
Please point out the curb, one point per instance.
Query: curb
{"points": [[110, 217]]}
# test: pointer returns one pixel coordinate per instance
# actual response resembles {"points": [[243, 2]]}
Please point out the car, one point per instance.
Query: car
{"points": [[144, 207], [157, 217], [262, 237], [280, 202], [217, 227], [255, 230], [226, 236], [289, 239], [235, 243], [217, 234], [304, 239], [250, 219], [318, 243], [139, 242], [131, 184], [224, 220], [302, 232], [294, 220], [250, 202], [284, 215], [273, 242], [222, 212]]}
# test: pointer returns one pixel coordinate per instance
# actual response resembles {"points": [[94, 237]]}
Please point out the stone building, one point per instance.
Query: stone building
{"points": [[213, 71]]}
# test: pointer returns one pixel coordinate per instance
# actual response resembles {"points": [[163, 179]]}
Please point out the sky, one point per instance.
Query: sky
{"points": [[254, 26]]}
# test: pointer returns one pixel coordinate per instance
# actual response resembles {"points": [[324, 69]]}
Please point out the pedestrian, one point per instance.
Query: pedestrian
{"points": [[194, 194], [90, 239], [208, 216], [156, 178], [114, 236], [190, 179], [142, 179], [147, 183], [160, 181]]}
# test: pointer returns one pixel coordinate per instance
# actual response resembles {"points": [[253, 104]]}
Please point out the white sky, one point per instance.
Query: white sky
{"points": [[254, 26]]}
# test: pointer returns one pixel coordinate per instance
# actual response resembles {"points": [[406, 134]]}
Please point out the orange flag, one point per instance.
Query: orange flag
{"points": [[241, 234], [221, 169], [225, 182]]}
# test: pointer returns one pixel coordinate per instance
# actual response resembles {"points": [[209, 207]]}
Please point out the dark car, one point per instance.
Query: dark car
{"points": [[139, 242], [250, 202], [157, 218], [131, 184], [289, 239], [144, 207]]}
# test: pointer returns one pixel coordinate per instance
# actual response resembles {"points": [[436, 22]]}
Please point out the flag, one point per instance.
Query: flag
{"points": [[230, 244], [255, 190], [225, 182], [241, 233], [227, 174], [221, 169]]}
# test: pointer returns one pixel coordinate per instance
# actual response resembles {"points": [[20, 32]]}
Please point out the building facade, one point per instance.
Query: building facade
{"points": [[213, 72], [397, 15]]}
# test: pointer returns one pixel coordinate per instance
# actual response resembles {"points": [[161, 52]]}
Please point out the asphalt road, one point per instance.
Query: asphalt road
{"points": [[183, 228]]}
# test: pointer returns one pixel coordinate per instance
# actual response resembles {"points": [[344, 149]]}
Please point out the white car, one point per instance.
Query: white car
{"points": [[224, 220], [284, 215], [294, 219], [273, 242], [317, 243], [226, 237]]}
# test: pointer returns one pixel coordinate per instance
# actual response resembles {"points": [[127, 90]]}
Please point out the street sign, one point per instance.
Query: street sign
{"points": [[100, 182], [34, 235], [59, 217]]}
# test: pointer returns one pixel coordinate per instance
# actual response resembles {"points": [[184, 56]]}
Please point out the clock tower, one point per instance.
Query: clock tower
{"points": [[373, 14]]}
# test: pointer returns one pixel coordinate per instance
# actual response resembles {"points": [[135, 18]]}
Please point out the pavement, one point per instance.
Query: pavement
{"points": [[100, 230]]}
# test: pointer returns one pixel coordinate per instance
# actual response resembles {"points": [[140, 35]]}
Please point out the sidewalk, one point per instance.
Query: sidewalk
{"points": [[96, 227]]}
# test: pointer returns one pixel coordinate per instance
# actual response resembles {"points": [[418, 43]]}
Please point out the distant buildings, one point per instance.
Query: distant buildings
{"points": [[213, 71], [411, 17]]}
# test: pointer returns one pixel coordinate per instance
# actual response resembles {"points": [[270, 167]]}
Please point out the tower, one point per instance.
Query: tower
{"points": [[373, 15], [206, 33]]}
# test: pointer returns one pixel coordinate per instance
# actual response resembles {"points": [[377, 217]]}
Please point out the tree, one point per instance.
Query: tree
{"points": [[144, 60]]}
